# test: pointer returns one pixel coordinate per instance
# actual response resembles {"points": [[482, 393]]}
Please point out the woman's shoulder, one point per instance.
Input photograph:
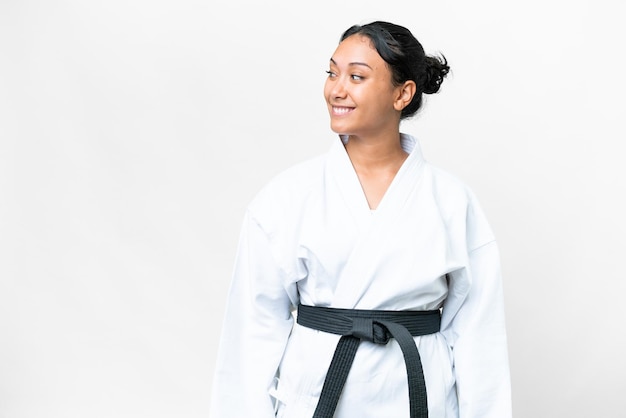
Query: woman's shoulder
{"points": [[289, 187], [449, 185], [460, 206]]}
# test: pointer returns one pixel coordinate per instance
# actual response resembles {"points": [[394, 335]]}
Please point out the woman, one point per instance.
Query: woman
{"points": [[367, 281]]}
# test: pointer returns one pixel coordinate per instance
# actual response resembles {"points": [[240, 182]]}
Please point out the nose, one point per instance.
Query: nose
{"points": [[337, 88]]}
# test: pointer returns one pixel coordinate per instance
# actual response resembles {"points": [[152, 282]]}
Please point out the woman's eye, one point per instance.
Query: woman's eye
{"points": [[356, 77], [330, 73]]}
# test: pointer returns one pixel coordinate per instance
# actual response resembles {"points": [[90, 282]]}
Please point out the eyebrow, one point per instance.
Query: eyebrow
{"points": [[353, 63]]}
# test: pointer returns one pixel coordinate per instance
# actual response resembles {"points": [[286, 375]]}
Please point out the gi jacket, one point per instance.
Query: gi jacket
{"points": [[310, 237]]}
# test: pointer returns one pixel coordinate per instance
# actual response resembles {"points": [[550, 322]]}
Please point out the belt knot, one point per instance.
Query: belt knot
{"points": [[367, 329], [377, 326]]}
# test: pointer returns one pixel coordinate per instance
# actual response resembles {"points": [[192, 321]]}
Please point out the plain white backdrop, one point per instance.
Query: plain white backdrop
{"points": [[133, 134]]}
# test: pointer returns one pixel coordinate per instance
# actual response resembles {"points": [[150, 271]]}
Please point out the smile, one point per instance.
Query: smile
{"points": [[341, 110]]}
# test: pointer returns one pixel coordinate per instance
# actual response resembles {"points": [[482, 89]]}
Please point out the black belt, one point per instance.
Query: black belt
{"points": [[355, 325]]}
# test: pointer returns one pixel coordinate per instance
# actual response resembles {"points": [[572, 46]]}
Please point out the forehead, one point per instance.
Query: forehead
{"points": [[357, 49]]}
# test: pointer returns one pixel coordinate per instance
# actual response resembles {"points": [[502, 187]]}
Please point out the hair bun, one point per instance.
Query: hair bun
{"points": [[436, 69]]}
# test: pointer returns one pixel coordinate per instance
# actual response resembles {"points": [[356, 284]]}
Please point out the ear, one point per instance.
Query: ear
{"points": [[405, 94]]}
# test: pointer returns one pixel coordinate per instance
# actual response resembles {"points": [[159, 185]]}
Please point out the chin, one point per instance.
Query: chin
{"points": [[338, 129]]}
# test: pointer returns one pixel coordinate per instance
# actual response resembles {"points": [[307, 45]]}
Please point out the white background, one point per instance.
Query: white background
{"points": [[133, 133]]}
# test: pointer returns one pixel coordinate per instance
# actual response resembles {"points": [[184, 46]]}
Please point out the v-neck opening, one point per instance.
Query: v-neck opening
{"points": [[410, 146]]}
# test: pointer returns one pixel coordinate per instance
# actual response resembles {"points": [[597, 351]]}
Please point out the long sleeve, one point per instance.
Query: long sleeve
{"points": [[256, 327], [473, 322], [480, 351]]}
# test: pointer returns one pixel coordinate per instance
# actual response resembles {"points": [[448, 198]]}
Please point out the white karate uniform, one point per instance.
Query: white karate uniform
{"points": [[309, 236]]}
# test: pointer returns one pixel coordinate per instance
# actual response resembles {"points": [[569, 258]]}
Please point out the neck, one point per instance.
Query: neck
{"points": [[376, 154]]}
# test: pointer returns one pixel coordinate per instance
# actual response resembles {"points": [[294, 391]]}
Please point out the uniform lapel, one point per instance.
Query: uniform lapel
{"points": [[363, 264], [342, 174]]}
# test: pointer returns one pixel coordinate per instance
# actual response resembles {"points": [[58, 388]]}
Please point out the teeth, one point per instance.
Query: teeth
{"points": [[341, 110]]}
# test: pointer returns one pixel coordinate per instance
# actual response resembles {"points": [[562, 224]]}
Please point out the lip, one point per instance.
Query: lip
{"points": [[341, 110]]}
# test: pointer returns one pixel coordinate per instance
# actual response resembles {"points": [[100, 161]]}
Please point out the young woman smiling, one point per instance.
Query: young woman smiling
{"points": [[367, 281]]}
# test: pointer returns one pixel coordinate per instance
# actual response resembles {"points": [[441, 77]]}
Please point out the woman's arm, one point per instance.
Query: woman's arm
{"points": [[256, 327]]}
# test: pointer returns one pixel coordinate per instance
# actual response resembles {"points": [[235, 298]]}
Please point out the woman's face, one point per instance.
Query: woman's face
{"points": [[359, 92]]}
